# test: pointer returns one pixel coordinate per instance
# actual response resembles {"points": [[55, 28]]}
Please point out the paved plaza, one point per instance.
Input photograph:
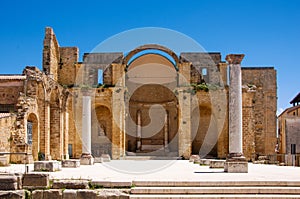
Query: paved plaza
{"points": [[165, 170]]}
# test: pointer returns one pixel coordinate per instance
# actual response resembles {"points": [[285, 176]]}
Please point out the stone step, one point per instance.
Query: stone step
{"points": [[216, 196], [146, 183], [216, 190]]}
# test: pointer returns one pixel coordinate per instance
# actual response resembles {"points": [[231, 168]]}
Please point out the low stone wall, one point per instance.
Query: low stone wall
{"points": [[39, 186]]}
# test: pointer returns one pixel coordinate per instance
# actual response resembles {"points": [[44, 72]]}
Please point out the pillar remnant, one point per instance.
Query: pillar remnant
{"points": [[236, 162]]}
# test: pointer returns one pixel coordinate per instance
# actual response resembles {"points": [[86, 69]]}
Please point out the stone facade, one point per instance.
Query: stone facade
{"points": [[150, 104], [289, 127]]}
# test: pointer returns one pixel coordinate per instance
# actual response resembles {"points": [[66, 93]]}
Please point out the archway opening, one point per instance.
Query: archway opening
{"points": [[33, 137], [101, 131]]}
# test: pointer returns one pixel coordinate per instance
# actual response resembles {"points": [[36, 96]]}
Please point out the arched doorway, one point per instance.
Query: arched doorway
{"points": [[33, 134], [152, 115], [101, 131]]}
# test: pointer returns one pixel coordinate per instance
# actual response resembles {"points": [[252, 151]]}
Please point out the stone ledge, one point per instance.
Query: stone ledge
{"points": [[112, 184], [71, 163], [70, 184], [49, 166]]}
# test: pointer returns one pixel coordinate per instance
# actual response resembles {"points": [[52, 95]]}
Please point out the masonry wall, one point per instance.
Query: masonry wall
{"points": [[264, 106], [6, 125], [292, 127], [67, 65], [10, 90]]}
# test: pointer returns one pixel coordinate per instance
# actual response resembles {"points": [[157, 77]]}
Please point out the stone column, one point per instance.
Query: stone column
{"points": [[166, 132], [86, 157], [139, 131], [236, 162]]}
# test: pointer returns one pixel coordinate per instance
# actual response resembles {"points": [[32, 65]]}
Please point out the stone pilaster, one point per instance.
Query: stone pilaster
{"points": [[184, 134], [86, 157], [236, 162]]}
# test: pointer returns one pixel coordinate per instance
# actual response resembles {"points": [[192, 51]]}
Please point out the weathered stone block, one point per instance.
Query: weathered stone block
{"points": [[19, 194], [86, 159], [49, 166], [236, 167], [195, 158], [84, 194], [69, 194], [4, 160], [216, 164], [37, 194], [8, 182], [70, 184], [105, 157], [52, 194], [204, 162], [35, 181], [71, 163]]}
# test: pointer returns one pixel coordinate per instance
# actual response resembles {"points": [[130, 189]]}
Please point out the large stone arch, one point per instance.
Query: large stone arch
{"points": [[101, 131], [150, 47]]}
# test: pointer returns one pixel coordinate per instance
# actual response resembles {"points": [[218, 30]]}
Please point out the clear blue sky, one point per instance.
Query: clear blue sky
{"points": [[268, 32]]}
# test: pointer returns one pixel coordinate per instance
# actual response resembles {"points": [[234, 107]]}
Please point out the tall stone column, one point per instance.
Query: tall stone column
{"points": [[236, 162], [86, 157]]}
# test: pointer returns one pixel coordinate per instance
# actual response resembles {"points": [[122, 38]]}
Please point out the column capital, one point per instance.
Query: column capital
{"points": [[234, 58]]}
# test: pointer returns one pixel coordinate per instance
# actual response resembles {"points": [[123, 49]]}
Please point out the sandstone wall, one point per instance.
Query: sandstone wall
{"points": [[264, 106]]}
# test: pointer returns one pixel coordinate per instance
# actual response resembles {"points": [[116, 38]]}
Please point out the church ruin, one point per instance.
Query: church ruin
{"points": [[139, 103]]}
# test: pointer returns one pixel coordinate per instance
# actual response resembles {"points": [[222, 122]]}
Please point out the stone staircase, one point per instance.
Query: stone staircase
{"points": [[215, 189]]}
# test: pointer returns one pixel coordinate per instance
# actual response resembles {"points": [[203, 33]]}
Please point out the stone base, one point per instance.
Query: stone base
{"points": [[4, 160], [215, 164], [86, 159], [49, 166], [236, 164], [71, 163], [204, 162]]}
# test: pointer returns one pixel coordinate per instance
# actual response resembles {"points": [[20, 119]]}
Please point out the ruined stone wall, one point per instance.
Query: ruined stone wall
{"points": [[66, 66], [207, 66], [10, 91], [264, 106], [248, 123], [6, 123], [51, 55]]}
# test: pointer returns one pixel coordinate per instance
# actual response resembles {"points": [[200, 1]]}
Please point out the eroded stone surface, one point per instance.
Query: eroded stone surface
{"points": [[50, 166], [35, 181], [70, 184]]}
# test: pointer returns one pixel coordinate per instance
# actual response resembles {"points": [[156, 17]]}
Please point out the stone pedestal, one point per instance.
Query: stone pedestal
{"points": [[86, 159], [47, 166], [235, 162], [71, 163]]}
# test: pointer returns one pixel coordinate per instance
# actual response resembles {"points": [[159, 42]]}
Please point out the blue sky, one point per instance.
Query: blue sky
{"points": [[266, 31]]}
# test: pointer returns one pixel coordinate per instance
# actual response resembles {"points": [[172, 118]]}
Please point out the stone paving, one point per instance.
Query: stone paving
{"points": [[165, 170]]}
